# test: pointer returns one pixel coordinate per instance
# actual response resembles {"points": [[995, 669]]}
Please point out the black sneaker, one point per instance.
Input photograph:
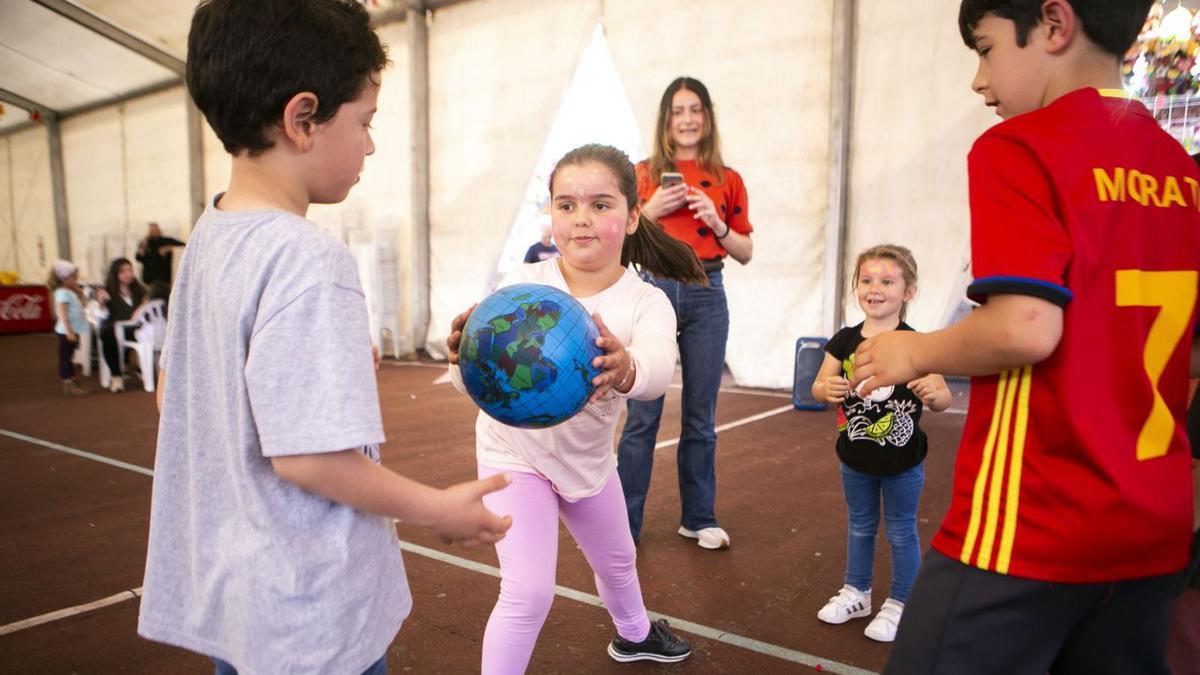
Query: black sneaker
{"points": [[660, 645]]}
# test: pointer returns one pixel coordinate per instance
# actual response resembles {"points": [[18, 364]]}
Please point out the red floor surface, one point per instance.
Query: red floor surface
{"points": [[73, 530]]}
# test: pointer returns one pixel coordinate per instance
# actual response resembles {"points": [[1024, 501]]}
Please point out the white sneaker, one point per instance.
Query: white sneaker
{"points": [[883, 626], [849, 603], [711, 538], [117, 385]]}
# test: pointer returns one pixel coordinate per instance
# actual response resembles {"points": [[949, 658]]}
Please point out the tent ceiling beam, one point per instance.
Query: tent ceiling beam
{"points": [[398, 14], [22, 102], [101, 26]]}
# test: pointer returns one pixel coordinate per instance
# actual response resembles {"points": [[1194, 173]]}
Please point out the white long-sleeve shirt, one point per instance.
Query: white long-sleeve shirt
{"points": [[577, 456]]}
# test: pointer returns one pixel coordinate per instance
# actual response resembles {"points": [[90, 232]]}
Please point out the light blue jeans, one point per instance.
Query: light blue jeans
{"points": [[900, 494]]}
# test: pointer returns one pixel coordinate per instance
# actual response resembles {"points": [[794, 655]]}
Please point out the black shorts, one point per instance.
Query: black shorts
{"points": [[962, 620]]}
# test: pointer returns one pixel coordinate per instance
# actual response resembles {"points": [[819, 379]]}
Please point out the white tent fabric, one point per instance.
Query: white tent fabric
{"points": [[915, 117], [126, 166], [492, 97], [27, 239], [774, 124], [60, 64], [593, 109], [497, 72], [766, 65]]}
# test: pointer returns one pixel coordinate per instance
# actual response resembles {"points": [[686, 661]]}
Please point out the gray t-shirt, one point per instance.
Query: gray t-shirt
{"points": [[267, 354]]}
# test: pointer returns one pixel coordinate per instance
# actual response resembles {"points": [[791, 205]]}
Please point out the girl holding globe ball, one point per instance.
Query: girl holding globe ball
{"points": [[568, 471]]}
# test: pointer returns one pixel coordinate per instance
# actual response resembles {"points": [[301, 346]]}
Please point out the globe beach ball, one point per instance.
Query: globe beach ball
{"points": [[526, 356]]}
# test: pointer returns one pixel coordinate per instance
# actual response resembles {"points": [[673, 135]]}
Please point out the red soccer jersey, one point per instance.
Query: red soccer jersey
{"points": [[1077, 469], [729, 197]]}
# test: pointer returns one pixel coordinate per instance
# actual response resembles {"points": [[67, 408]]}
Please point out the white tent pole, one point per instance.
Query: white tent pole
{"points": [[195, 133], [419, 97], [58, 186], [841, 112]]}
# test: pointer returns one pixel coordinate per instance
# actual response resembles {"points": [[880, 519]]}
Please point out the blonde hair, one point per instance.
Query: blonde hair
{"points": [[663, 153], [898, 254]]}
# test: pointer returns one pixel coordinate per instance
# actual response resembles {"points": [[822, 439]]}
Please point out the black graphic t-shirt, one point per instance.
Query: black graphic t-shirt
{"points": [[879, 435]]}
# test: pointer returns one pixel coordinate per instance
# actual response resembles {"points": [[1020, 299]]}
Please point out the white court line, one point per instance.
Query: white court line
{"points": [[78, 453], [782, 653], [413, 364], [747, 392], [71, 611], [730, 425], [445, 379]]}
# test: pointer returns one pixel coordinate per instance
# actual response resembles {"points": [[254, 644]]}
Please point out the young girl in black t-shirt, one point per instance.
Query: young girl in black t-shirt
{"points": [[880, 444]]}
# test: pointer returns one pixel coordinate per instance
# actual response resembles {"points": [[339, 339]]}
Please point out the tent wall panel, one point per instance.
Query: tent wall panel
{"points": [[27, 227], [125, 166], [497, 70], [915, 118], [766, 65]]}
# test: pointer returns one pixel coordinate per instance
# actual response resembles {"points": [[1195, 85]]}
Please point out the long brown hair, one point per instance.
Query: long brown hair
{"points": [[662, 155], [113, 282], [898, 254], [649, 247]]}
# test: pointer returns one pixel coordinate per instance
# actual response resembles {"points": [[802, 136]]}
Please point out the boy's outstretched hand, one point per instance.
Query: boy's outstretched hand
{"points": [[464, 520], [885, 359]]}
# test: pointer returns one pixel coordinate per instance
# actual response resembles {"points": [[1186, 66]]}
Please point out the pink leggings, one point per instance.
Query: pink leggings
{"points": [[529, 557]]}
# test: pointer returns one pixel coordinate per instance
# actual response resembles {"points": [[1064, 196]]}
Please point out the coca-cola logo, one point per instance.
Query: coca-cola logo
{"points": [[21, 307]]}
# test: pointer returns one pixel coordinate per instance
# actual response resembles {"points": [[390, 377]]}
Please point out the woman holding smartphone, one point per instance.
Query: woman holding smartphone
{"points": [[686, 188]]}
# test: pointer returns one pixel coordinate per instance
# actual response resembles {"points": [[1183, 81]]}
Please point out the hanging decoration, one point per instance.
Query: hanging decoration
{"points": [[1163, 61]]}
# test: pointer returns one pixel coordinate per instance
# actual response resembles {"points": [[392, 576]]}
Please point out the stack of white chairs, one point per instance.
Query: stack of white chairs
{"points": [[149, 328]]}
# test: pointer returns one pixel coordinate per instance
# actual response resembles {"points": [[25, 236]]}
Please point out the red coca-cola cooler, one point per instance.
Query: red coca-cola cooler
{"points": [[25, 309]]}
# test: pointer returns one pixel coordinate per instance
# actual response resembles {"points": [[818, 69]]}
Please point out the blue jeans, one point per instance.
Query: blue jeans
{"points": [[900, 496], [377, 668], [702, 321]]}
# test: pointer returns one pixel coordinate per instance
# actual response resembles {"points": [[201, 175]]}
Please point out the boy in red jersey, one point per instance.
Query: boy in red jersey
{"points": [[1072, 504]]}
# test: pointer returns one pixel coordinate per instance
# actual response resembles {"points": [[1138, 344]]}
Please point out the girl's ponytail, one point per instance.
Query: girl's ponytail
{"points": [[662, 255]]}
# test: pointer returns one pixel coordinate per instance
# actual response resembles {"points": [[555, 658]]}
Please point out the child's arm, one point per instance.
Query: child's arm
{"points": [[455, 514], [1008, 331], [641, 370], [933, 391], [829, 385], [65, 318]]}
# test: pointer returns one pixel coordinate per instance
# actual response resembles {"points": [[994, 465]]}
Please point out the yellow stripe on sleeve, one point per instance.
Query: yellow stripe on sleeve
{"points": [[1013, 501], [981, 476], [992, 521]]}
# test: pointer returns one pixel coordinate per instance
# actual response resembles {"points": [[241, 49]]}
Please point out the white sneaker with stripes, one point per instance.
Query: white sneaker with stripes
{"points": [[849, 603]]}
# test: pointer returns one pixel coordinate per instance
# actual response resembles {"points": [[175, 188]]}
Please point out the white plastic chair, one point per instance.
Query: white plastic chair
{"points": [[149, 326], [84, 349], [90, 344]]}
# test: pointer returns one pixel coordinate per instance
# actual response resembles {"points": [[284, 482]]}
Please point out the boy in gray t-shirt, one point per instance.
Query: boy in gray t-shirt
{"points": [[272, 547]]}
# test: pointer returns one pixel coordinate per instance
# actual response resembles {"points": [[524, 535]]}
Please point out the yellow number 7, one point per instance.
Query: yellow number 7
{"points": [[1175, 294]]}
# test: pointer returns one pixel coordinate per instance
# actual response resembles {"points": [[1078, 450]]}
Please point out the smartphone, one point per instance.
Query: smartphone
{"points": [[670, 180]]}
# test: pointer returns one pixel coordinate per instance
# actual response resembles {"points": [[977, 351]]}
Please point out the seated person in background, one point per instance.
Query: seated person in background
{"points": [[119, 299], [542, 250]]}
